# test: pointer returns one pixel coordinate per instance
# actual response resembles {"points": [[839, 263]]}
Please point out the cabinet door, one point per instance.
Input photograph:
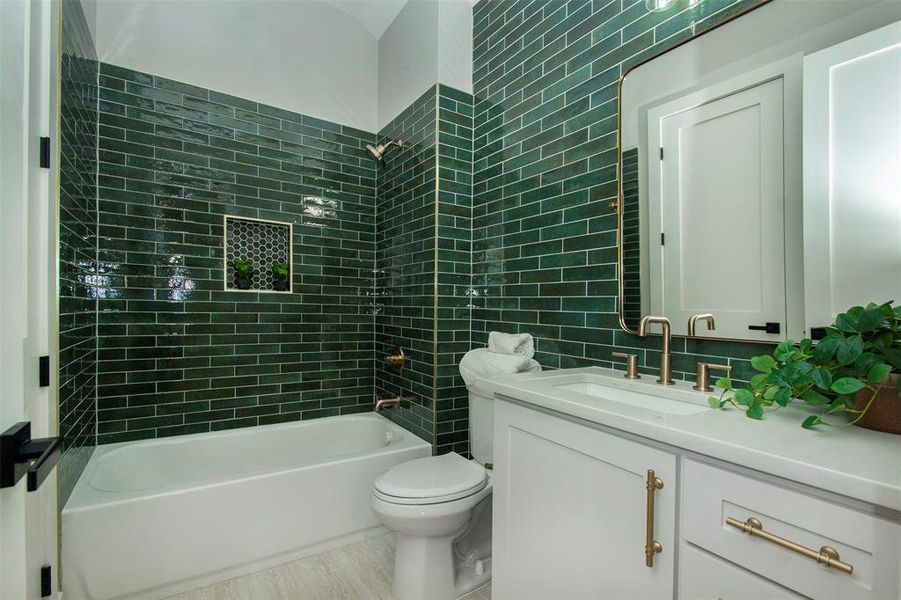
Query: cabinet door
{"points": [[703, 576], [570, 511]]}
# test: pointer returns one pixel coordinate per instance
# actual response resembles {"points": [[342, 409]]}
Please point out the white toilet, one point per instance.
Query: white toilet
{"points": [[440, 507]]}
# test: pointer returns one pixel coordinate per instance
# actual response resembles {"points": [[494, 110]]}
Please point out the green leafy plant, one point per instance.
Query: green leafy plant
{"points": [[859, 352], [243, 268], [280, 271]]}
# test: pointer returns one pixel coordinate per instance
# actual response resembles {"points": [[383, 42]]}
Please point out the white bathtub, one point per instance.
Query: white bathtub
{"points": [[153, 518]]}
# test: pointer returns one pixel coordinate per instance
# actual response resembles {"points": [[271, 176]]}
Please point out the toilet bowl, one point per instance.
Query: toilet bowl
{"points": [[440, 507]]}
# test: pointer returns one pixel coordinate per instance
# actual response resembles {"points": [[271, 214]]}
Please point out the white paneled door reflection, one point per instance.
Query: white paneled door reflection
{"points": [[720, 199]]}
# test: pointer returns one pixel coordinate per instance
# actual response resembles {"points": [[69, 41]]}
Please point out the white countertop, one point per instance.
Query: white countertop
{"points": [[851, 461]]}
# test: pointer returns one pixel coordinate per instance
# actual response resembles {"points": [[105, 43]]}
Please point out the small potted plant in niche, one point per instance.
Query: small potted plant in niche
{"points": [[854, 370], [280, 275], [243, 274]]}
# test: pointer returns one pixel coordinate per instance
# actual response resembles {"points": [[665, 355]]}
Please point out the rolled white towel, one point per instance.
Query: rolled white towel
{"points": [[511, 343], [484, 363]]}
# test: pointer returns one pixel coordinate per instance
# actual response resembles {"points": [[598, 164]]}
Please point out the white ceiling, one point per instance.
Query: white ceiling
{"points": [[375, 15]]}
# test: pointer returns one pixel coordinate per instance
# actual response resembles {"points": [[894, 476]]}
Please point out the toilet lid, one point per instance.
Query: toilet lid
{"points": [[432, 477]]}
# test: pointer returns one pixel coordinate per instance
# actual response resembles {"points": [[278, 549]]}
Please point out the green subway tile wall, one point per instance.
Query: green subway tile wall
{"points": [[405, 265], [177, 353], [545, 74], [77, 246], [454, 289], [423, 264]]}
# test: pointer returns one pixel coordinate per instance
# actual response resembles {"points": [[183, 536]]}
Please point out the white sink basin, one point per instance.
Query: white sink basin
{"points": [[615, 394]]}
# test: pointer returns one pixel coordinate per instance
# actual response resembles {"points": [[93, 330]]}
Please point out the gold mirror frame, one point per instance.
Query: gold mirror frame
{"points": [[619, 184]]}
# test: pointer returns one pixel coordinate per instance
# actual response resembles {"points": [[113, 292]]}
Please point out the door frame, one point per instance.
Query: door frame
{"points": [[29, 35]]}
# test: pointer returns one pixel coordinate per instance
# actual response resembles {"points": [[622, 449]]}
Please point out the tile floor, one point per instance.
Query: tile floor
{"points": [[360, 571]]}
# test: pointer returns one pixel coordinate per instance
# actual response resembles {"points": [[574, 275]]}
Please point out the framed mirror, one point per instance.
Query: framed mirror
{"points": [[760, 172]]}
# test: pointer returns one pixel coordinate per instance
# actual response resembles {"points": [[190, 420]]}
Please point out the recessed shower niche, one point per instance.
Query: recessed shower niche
{"points": [[266, 245]]}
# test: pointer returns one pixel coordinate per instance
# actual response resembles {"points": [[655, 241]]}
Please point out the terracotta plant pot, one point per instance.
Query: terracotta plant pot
{"points": [[885, 412]]}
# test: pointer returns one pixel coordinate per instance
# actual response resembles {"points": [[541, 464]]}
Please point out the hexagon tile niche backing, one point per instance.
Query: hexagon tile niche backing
{"points": [[263, 243]]}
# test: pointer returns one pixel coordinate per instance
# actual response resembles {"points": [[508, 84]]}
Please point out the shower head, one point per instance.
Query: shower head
{"points": [[378, 151]]}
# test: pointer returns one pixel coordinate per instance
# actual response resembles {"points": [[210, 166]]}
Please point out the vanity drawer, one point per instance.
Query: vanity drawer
{"points": [[703, 576], [868, 543]]}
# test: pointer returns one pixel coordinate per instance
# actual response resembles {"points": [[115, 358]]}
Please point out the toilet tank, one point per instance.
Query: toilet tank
{"points": [[481, 427]]}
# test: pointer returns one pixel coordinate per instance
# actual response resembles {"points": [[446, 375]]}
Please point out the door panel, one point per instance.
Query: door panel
{"points": [[852, 155], [721, 203]]}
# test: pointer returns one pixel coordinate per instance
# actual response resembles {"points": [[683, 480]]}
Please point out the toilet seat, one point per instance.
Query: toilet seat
{"points": [[431, 480]]}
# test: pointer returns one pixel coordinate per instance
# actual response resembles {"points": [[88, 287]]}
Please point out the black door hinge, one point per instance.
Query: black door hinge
{"points": [[44, 371], [45, 153], [46, 581], [663, 239], [661, 153]]}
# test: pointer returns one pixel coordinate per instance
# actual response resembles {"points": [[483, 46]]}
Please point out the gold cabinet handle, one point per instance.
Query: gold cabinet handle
{"points": [[651, 546], [827, 555]]}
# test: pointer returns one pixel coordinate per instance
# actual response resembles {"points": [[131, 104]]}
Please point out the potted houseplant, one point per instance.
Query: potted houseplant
{"points": [[854, 370], [243, 274], [280, 277]]}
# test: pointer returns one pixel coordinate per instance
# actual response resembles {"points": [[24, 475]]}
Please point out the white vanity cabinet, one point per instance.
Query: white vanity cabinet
{"points": [[571, 511]]}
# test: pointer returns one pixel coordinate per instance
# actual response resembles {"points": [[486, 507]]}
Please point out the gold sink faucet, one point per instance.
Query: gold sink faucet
{"points": [[666, 358], [693, 322]]}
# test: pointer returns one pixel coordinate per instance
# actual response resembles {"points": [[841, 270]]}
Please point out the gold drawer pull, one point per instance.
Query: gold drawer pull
{"points": [[651, 546], [827, 555]]}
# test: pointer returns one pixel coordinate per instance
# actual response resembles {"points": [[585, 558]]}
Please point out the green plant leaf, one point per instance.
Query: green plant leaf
{"points": [[822, 378], [811, 421], [764, 363], [846, 323], [715, 402], [825, 349], [879, 373], [758, 380], [855, 312], [744, 397], [243, 268], [847, 385], [280, 271], [864, 362], [815, 398], [837, 406], [724, 383], [783, 396], [849, 400], [870, 320], [849, 350], [784, 350], [755, 412]]}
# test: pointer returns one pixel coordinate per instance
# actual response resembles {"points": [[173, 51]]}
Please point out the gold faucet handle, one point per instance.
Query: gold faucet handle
{"points": [[631, 364], [397, 358], [703, 375]]}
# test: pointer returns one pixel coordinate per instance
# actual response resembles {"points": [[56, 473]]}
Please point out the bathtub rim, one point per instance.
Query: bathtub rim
{"points": [[85, 497]]}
